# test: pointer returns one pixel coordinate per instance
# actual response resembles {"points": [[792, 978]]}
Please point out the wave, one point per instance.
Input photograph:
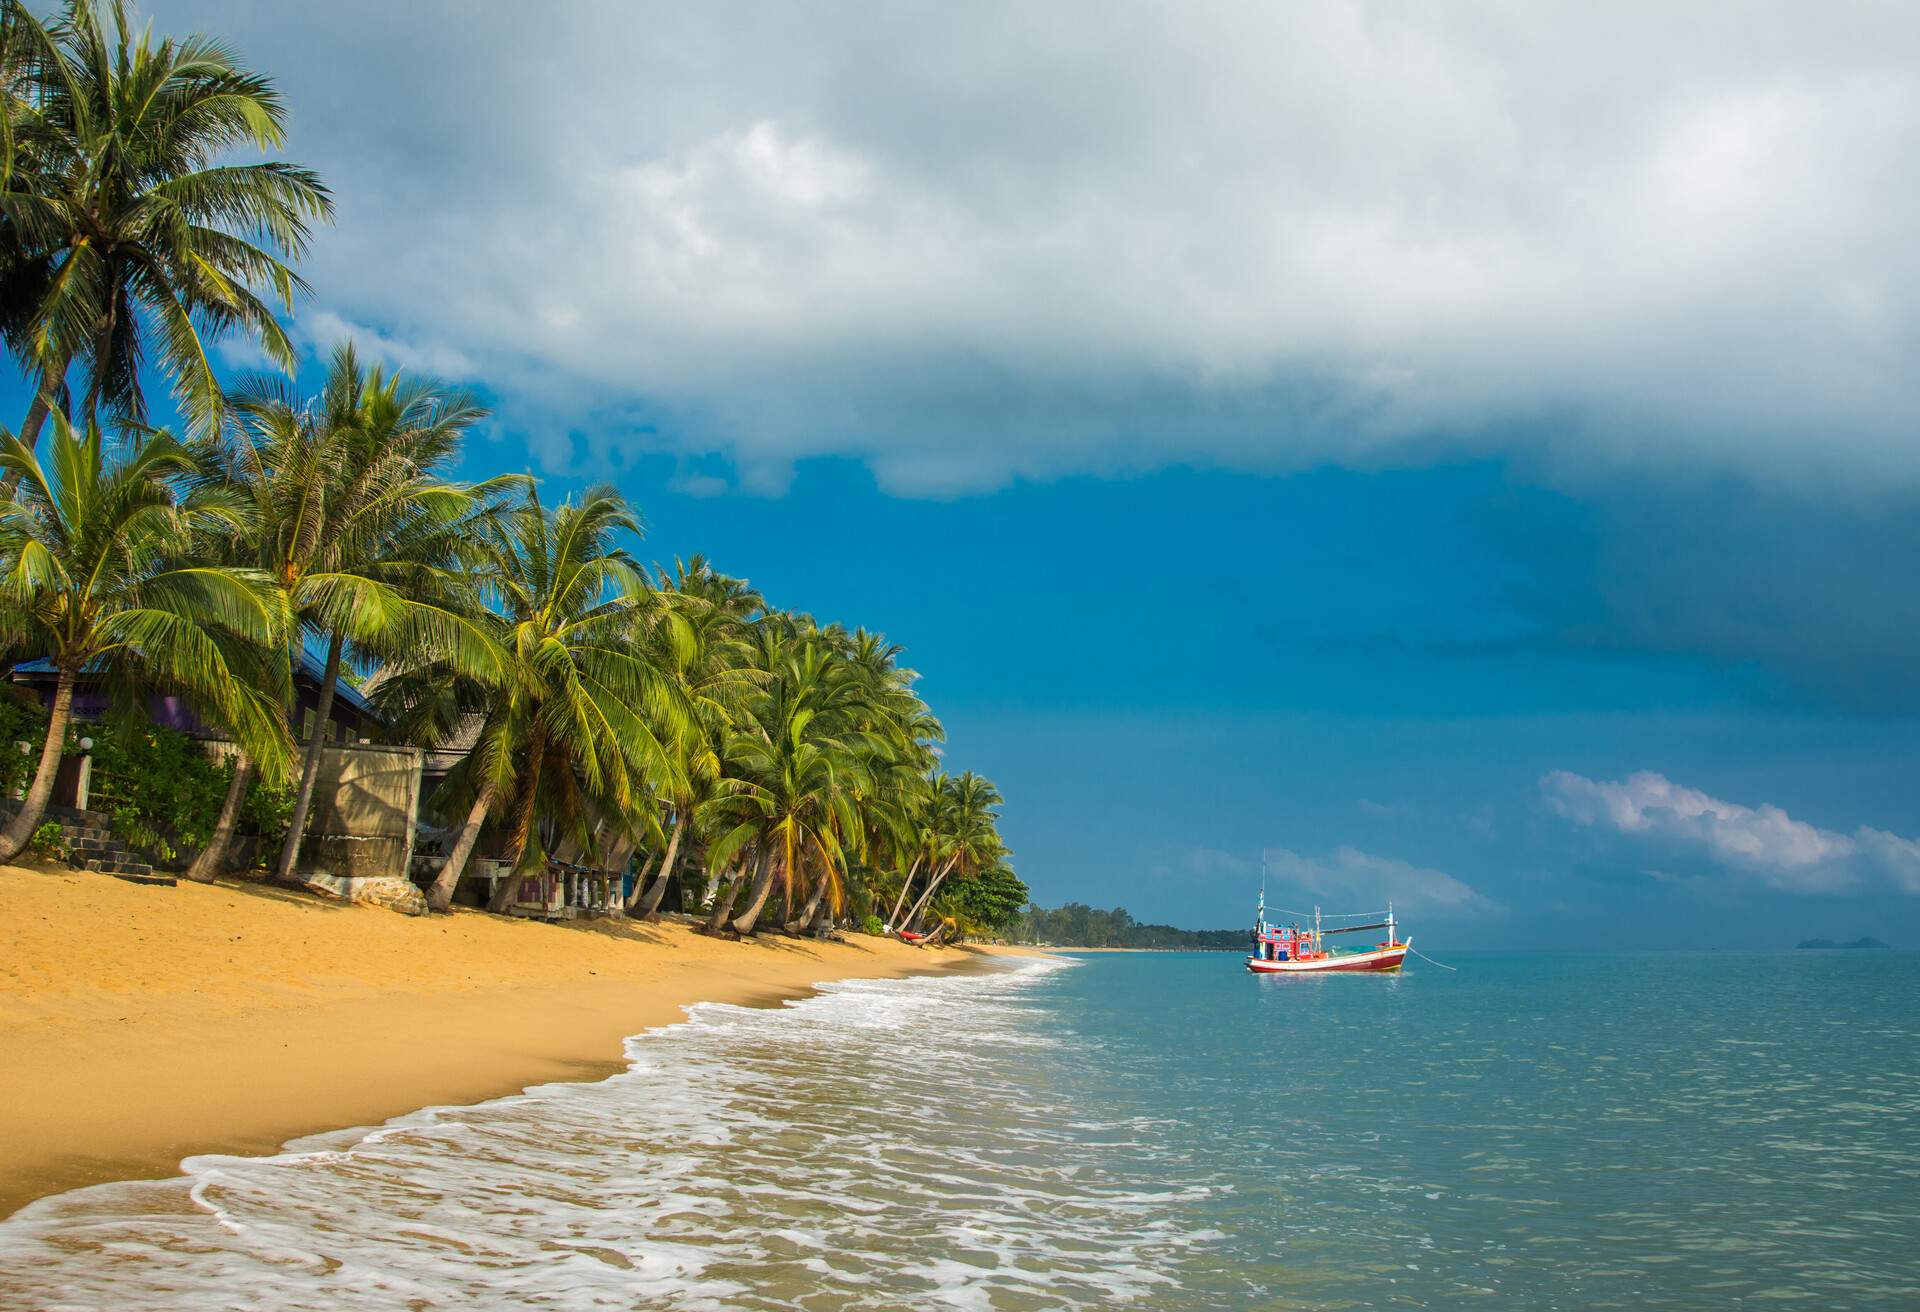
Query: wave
{"points": [[918, 1142]]}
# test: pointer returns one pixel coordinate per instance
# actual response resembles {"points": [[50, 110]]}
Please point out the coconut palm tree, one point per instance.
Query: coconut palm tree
{"points": [[965, 826], [701, 636], [570, 730], [124, 234], [351, 511], [794, 778], [96, 572]]}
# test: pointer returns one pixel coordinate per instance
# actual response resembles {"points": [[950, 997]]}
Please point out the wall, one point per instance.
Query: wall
{"points": [[364, 807]]}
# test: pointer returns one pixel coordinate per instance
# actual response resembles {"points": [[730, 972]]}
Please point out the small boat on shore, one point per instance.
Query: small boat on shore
{"points": [[1293, 949]]}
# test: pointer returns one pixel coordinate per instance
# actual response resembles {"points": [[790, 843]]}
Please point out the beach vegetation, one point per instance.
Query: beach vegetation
{"points": [[761, 768], [49, 842], [352, 513], [128, 234], [98, 575]]}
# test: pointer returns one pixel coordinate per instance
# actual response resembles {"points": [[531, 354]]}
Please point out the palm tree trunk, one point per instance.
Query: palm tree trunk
{"points": [[36, 416], [508, 890], [213, 857], [642, 878], [762, 886], [440, 896], [18, 834], [723, 901], [933, 886], [905, 884], [310, 770], [805, 919], [30, 427], [647, 906]]}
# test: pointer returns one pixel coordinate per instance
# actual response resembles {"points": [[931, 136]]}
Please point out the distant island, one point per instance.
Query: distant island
{"points": [[1077, 925], [1829, 943]]}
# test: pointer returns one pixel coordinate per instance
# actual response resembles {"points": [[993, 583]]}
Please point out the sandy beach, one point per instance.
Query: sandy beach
{"points": [[142, 1025]]}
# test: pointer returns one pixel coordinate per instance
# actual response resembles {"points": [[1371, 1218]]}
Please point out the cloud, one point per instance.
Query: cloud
{"points": [[318, 331], [973, 243], [1206, 862], [1348, 877], [1761, 841]]}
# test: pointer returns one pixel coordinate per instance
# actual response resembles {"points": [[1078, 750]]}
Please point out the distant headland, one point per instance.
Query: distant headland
{"points": [[1829, 943]]}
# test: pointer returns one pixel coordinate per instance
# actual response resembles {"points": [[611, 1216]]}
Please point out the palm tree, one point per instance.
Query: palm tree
{"points": [[700, 632], [120, 233], [351, 512], [95, 572], [794, 778], [569, 735], [965, 826], [916, 807]]}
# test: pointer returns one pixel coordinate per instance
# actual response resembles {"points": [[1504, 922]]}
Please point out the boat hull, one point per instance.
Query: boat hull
{"points": [[1381, 959]]}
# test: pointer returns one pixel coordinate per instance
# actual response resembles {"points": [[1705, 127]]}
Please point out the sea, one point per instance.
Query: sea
{"points": [[1157, 1130]]}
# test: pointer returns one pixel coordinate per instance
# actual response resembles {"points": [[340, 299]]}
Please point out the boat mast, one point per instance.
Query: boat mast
{"points": [[1317, 942], [1390, 938]]}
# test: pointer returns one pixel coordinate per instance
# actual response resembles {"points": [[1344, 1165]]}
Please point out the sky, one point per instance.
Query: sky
{"points": [[1456, 453]]}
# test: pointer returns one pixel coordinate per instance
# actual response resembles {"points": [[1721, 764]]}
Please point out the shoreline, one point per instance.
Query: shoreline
{"points": [[143, 1025]]}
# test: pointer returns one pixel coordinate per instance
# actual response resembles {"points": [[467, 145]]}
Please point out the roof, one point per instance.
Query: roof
{"points": [[308, 669], [315, 669]]}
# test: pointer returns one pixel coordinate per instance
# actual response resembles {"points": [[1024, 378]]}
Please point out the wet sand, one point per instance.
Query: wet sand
{"points": [[140, 1025]]}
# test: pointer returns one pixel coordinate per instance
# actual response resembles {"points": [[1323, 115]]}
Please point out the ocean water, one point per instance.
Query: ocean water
{"points": [[1155, 1131]]}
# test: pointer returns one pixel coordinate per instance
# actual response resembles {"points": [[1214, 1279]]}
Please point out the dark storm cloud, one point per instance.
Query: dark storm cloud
{"points": [[968, 243]]}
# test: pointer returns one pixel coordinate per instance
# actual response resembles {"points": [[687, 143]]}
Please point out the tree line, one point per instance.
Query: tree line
{"points": [[1077, 925], [671, 712]]}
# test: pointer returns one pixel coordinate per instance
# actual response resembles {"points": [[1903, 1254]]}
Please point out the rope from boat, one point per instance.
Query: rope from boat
{"points": [[1430, 961], [1329, 915]]}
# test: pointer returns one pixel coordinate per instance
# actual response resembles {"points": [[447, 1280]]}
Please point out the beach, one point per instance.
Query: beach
{"points": [[141, 1025]]}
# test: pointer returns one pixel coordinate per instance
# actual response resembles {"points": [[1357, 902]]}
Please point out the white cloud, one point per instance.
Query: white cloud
{"points": [[318, 331], [1761, 841], [973, 242], [1348, 878]]}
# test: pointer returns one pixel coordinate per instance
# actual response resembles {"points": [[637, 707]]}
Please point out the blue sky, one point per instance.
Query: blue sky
{"points": [[1380, 438]]}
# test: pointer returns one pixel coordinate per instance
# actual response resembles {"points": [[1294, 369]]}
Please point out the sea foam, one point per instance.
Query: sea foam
{"points": [[881, 1144]]}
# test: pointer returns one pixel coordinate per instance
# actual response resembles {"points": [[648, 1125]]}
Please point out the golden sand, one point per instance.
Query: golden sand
{"points": [[141, 1025]]}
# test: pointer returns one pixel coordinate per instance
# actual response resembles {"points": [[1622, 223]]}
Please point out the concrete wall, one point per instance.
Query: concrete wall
{"points": [[364, 807]]}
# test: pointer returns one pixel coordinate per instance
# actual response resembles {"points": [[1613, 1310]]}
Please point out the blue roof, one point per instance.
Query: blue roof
{"points": [[315, 669], [309, 665]]}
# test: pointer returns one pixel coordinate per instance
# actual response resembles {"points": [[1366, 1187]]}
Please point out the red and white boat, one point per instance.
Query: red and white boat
{"points": [[1295, 950]]}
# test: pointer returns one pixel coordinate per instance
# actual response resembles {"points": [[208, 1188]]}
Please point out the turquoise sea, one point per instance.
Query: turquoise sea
{"points": [[1668, 1130]]}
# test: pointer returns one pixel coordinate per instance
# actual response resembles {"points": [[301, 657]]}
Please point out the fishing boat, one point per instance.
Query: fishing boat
{"points": [[1293, 949]]}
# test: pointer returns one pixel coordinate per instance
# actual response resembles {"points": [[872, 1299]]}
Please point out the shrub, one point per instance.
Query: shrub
{"points": [[21, 721], [266, 811], [162, 792], [871, 925], [50, 842]]}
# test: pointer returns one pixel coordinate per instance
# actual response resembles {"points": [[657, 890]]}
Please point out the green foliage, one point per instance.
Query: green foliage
{"points": [[157, 786], [989, 903], [265, 811], [50, 841], [21, 721], [1080, 926], [871, 925], [142, 223]]}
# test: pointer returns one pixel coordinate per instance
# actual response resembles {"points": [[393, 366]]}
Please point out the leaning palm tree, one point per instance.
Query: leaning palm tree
{"points": [[699, 631], [965, 818], [794, 780], [124, 235], [96, 573], [576, 714], [352, 513]]}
